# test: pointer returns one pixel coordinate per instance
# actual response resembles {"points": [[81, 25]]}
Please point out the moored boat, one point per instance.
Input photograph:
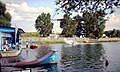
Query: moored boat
{"points": [[9, 39], [50, 58], [33, 45], [70, 41]]}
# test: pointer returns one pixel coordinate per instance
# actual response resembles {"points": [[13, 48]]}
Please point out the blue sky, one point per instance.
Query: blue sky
{"points": [[25, 12]]}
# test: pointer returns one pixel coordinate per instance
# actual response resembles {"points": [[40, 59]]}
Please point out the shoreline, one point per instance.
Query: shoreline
{"points": [[61, 40]]}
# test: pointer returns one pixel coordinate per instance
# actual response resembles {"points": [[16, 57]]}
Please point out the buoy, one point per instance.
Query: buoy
{"points": [[106, 62]]}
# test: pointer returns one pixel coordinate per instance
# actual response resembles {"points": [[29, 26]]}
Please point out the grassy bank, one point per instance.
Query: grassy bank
{"points": [[53, 41], [61, 40], [102, 40]]}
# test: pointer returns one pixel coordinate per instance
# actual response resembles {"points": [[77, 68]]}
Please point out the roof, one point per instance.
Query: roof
{"points": [[10, 30]]}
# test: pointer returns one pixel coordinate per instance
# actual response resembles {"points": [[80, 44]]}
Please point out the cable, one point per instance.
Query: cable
{"points": [[29, 28]]}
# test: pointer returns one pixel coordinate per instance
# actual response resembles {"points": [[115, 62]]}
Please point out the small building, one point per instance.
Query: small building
{"points": [[53, 36], [9, 35]]}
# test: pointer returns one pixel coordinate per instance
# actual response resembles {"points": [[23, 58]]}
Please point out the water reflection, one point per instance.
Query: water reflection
{"points": [[83, 58], [46, 68], [93, 57]]}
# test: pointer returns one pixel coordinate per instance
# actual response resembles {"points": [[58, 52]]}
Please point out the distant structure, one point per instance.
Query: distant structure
{"points": [[53, 36], [104, 36]]}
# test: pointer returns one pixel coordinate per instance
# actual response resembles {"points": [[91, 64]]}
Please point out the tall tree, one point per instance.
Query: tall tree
{"points": [[94, 24], [68, 26], [80, 26], [90, 24], [43, 24], [5, 17]]}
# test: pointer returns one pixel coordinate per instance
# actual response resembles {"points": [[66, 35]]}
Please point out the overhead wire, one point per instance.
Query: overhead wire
{"points": [[55, 12]]}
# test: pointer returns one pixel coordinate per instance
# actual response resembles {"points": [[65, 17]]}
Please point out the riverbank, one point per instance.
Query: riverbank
{"points": [[61, 40]]}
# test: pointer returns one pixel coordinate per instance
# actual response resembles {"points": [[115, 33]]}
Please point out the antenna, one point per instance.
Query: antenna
{"points": [[16, 29]]}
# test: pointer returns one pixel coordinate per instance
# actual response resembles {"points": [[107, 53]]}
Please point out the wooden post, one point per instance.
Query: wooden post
{"points": [[0, 63]]}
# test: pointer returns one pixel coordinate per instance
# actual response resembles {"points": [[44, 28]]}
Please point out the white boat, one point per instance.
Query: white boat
{"points": [[71, 41]]}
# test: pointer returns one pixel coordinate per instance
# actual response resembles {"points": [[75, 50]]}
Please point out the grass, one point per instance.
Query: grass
{"points": [[61, 40], [53, 41], [90, 41], [104, 40]]}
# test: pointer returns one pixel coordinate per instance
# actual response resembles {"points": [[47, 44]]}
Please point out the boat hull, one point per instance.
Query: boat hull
{"points": [[33, 47], [8, 54]]}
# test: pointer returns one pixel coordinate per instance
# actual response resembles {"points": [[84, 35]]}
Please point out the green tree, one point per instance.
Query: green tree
{"points": [[68, 26], [90, 24], [2, 8], [87, 5], [94, 24], [43, 24], [8, 17], [5, 17], [80, 27]]}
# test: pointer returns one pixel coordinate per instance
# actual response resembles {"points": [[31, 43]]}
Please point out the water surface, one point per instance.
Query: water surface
{"points": [[79, 58]]}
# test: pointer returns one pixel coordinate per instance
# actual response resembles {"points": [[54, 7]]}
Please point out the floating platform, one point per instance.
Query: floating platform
{"points": [[7, 54]]}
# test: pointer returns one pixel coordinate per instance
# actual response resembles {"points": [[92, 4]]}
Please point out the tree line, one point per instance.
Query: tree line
{"points": [[112, 33], [90, 24]]}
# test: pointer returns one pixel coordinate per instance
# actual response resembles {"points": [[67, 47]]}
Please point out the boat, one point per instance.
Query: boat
{"points": [[70, 41], [50, 58], [33, 45], [10, 53], [9, 41]]}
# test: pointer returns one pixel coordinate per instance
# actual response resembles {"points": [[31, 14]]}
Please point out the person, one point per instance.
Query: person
{"points": [[9, 47], [5, 46], [27, 44]]}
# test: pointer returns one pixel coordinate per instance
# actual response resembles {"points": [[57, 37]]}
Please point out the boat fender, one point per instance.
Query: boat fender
{"points": [[53, 49]]}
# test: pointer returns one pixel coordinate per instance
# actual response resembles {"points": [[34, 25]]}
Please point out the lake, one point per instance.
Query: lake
{"points": [[93, 57]]}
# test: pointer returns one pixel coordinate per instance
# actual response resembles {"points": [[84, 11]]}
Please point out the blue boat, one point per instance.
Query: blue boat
{"points": [[50, 58], [9, 36]]}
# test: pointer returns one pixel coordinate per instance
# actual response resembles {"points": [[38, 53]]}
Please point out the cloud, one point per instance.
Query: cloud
{"points": [[113, 22], [13, 1], [114, 19], [23, 12], [23, 15]]}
